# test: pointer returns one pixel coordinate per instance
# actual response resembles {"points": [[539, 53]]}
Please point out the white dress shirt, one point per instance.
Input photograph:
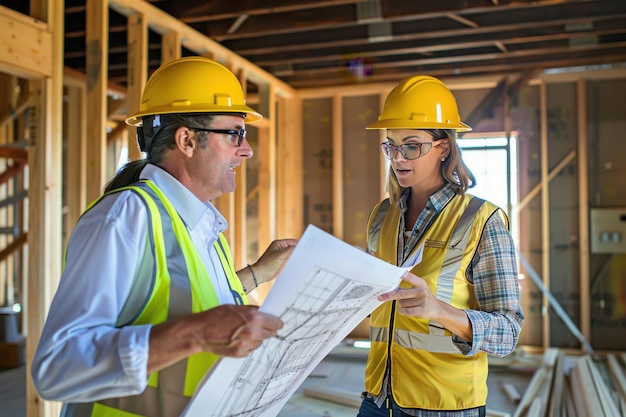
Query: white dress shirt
{"points": [[81, 356]]}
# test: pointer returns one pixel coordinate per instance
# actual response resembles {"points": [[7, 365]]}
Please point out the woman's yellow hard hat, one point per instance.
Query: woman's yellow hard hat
{"points": [[420, 102]]}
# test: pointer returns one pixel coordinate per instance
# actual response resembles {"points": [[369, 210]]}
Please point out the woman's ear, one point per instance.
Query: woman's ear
{"points": [[185, 141], [445, 147]]}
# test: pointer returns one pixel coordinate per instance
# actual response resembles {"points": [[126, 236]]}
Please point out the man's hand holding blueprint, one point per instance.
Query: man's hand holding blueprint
{"points": [[326, 288]]}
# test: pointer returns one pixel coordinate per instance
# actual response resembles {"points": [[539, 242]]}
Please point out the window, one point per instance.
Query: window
{"points": [[492, 158]]}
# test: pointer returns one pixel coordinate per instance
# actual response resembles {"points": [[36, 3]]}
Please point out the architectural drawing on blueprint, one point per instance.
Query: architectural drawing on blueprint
{"points": [[325, 290]]}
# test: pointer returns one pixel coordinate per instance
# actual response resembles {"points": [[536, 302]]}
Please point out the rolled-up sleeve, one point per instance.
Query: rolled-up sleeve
{"points": [[498, 318], [81, 355]]}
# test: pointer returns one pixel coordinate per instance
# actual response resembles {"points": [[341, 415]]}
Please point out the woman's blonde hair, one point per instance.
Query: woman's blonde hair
{"points": [[453, 169]]}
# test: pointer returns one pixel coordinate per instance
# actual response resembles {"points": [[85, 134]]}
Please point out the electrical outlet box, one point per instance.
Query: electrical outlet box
{"points": [[608, 230]]}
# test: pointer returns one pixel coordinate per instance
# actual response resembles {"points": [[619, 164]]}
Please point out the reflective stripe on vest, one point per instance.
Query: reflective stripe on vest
{"points": [[424, 368], [173, 275], [435, 340]]}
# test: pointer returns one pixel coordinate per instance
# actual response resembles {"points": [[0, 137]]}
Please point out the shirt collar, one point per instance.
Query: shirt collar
{"points": [[437, 200], [188, 206]]}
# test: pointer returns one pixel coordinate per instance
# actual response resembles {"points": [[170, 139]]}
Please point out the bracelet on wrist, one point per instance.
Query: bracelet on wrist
{"points": [[256, 283]]}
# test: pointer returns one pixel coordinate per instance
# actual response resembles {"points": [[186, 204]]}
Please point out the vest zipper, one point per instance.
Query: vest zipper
{"points": [[389, 342]]}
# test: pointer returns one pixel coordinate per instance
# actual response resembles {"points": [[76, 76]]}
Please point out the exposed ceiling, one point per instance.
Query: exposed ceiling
{"points": [[317, 43]]}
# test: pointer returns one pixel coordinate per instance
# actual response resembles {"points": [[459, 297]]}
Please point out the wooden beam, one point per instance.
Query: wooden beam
{"points": [[577, 391], [97, 80], [426, 47], [583, 211], [555, 397], [170, 47], [16, 154], [553, 173], [617, 375], [289, 175], [45, 196], [76, 163], [333, 394], [539, 382], [205, 13], [588, 390], [338, 182], [384, 163], [267, 170], [25, 45], [511, 393], [239, 233], [8, 278], [15, 245], [161, 22], [609, 407], [15, 113], [71, 77], [487, 103], [10, 172], [137, 75], [545, 211]]}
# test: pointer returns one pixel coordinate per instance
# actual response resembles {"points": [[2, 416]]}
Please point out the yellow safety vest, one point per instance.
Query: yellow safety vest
{"points": [[178, 285], [426, 370]]}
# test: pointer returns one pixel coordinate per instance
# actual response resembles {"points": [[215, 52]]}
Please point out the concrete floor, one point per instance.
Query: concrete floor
{"points": [[339, 375]]}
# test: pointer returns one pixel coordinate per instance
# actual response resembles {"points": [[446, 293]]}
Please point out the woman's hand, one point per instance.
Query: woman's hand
{"points": [[417, 300]]}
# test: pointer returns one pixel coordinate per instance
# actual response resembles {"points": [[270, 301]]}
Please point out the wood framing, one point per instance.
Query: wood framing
{"points": [[338, 194], [44, 192], [289, 169], [545, 212], [137, 75], [26, 45], [97, 81], [267, 168], [177, 35], [76, 132], [162, 23], [583, 210], [170, 47]]}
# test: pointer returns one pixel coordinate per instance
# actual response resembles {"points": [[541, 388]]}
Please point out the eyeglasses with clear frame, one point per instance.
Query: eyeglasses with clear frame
{"points": [[410, 151], [240, 134]]}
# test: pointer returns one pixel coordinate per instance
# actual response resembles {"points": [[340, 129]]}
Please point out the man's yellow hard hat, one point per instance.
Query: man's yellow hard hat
{"points": [[193, 85]]}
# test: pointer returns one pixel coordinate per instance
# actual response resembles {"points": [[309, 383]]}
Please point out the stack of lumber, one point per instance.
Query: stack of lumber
{"points": [[576, 386]]}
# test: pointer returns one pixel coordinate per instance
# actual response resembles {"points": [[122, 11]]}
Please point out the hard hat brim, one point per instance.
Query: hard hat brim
{"points": [[251, 115], [413, 125]]}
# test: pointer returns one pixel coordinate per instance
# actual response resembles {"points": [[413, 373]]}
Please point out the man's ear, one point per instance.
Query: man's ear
{"points": [[185, 141]]}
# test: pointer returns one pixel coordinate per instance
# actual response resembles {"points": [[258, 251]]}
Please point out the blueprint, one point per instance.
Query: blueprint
{"points": [[326, 288]]}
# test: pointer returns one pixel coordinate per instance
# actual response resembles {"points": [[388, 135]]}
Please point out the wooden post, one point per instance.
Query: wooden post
{"points": [[384, 163], [76, 155], [289, 171], [267, 167], [545, 214], [238, 201], [97, 79], [7, 103], [583, 211], [170, 47], [337, 150], [137, 75], [44, 192]]}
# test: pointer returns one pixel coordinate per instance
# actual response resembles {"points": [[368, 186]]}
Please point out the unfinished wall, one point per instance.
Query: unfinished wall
{"points": [[351, 170], [361, 162], [564, 211], [545, 117], [607, 182], [317, 163]]}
